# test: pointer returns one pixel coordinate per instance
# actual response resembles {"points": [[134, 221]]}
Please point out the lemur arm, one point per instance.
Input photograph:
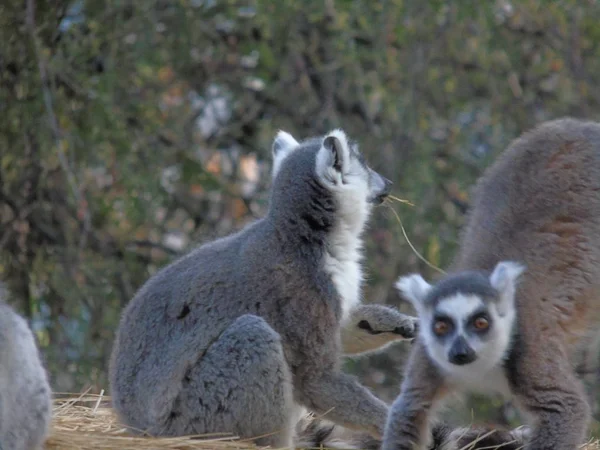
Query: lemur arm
{"points": [[372, 327], [408, 424], [343, 400]]}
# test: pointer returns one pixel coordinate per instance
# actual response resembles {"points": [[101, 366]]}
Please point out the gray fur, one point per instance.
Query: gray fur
{"points": [[538, 204], [237, 334], [372, 327], [468, 282], [25, 395]]}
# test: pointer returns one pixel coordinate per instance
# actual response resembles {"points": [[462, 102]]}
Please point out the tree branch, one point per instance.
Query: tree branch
{"points": [[56, 133]]}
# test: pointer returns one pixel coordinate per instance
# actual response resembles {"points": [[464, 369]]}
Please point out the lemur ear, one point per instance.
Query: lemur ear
{"points": [[334, 145], [504, 279], [337, 149], [283, 144], [414, 288]]}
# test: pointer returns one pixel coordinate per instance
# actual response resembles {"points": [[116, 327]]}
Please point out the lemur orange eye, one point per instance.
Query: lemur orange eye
{"points": [[481, 323], [441, 327]]}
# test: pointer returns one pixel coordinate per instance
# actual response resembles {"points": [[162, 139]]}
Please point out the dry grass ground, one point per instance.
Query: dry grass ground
{"points": [[87, 422]]}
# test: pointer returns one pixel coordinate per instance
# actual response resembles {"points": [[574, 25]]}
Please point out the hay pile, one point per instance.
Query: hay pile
{"points": [[87, 422], [592, 445]]}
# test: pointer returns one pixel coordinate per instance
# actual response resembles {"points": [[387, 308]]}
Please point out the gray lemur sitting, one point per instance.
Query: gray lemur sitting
{"points": [[243, 332], [25, 395], [515, 328]]}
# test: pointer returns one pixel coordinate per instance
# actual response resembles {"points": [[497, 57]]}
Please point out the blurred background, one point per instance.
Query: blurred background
{"points": [[133, 131]]}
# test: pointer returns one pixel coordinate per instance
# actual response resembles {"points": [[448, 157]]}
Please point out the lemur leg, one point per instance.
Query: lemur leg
{"points": [[408, 424], [343, 400], [242, 385], [555, 397]]}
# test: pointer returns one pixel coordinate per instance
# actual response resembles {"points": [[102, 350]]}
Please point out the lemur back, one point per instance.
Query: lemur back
{"points": [[540, 204], [537, 205], [25, 395], [241, 332]]}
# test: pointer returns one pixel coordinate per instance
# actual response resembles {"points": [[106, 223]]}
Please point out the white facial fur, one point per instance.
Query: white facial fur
{"points": [[492, 349], [351, 188], [352, 184], [490, 352]]}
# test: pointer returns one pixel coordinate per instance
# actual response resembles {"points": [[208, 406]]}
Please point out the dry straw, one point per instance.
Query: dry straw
{"points": [[412, 247], [86, 422]]}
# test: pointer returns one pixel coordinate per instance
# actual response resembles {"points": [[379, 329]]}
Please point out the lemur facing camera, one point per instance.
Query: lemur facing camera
{"points": [[522, 297], [244, 331], [371, 328]]}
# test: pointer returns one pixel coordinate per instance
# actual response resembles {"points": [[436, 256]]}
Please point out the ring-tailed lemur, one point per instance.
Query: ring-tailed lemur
{"points": [[490, 325], [243, 331], [372, 328], [25, 395]]}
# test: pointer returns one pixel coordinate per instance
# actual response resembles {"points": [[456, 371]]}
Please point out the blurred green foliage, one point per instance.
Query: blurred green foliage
{"points": [[133, 129]]}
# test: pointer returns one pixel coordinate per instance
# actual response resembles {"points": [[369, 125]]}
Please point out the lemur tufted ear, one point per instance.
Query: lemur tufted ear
{"points": [[338, 149], [334, 146], [504, 279], [414, 288], [333, 158], [283, 144]]}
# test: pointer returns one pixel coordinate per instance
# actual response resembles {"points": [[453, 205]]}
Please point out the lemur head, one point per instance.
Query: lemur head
{"points": [[332, 167], [466, 320]]}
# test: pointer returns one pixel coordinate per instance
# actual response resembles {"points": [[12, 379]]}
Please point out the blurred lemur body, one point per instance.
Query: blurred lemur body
{"points": [[25, 395], [243, 332], [522, 298]]}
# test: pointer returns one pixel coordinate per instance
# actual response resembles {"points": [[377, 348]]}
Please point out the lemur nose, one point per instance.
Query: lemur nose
{"points": [[461, 353], [460, 359]]}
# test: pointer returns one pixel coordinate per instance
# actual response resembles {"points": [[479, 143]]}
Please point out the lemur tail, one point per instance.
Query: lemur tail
{"points": [[312, 432], [319, 433]]}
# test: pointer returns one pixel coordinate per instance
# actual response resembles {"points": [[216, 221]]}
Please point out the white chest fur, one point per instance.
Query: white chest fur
{"points": [[346, 273], [493, 382]]}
